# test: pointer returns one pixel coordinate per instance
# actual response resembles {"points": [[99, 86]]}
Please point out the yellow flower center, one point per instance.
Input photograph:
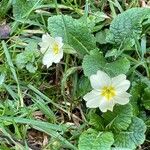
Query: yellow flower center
{"points": [[108, 92], [55, 48]]}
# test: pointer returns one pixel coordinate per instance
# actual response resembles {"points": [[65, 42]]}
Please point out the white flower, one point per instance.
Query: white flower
{"points": [[51, 48], [107, 91]]}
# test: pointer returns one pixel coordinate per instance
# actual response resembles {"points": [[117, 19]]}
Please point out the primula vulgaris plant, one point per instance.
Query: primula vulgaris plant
{"points": [[103, 67]]}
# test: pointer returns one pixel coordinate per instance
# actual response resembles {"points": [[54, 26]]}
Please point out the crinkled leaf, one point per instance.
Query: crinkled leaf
{"points": [[120, 118], [94, 62], [101, 36], [133, 136], [110, 53], [93, 140], [31, 68], [21, 60], [22, 8], [120, 66], [127, 25], [136, 91], [96, 121], [74, 32], [27, 57]]}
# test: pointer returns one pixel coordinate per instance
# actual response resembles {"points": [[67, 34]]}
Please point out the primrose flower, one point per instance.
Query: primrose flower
{"points": [[107, 91], [51, 48]]}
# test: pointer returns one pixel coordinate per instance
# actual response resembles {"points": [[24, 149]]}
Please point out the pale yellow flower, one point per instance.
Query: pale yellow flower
{"points": [[107, 91], [51, 48]]}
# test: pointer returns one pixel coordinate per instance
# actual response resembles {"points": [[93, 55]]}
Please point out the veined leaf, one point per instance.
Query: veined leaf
{"points": [[133, 136], [93, 140], [74, 32], [120, 118], [128, 25], [94, 62], [22, 8]]}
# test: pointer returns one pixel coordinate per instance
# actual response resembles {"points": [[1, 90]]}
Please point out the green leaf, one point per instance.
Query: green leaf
{"points": [[120, 118], [96, 121], [110, 53], [74, 32], [146, 98], [31, 68], [22, 8], [133, 136], [21, 60], [127, 25], [68, 49], [120, 148], [117, 67], [26, 59], [94, 62], [101, 36], [137, 91], [93, 140], [83, 86]]}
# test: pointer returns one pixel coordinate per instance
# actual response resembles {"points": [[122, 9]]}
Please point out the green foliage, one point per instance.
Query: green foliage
{"points": [[146, 98], [133, 136], [48, 128], [83, 86], [74, 32], [140, 96], [120, 66], [96, 121], [23, 8], [27, 59], [128, 131], [94, 62], [4, 7], [120, 118], [128, 25], [93, 140], [2, 78], [101, 36]]}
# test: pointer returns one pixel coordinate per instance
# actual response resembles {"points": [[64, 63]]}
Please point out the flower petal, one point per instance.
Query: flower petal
{"points": [[92, 98], [59, 40], [120, 83], [106, 105], [99, 80], [46, 43], [48, 59], [58, 57], [122, 99]]}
